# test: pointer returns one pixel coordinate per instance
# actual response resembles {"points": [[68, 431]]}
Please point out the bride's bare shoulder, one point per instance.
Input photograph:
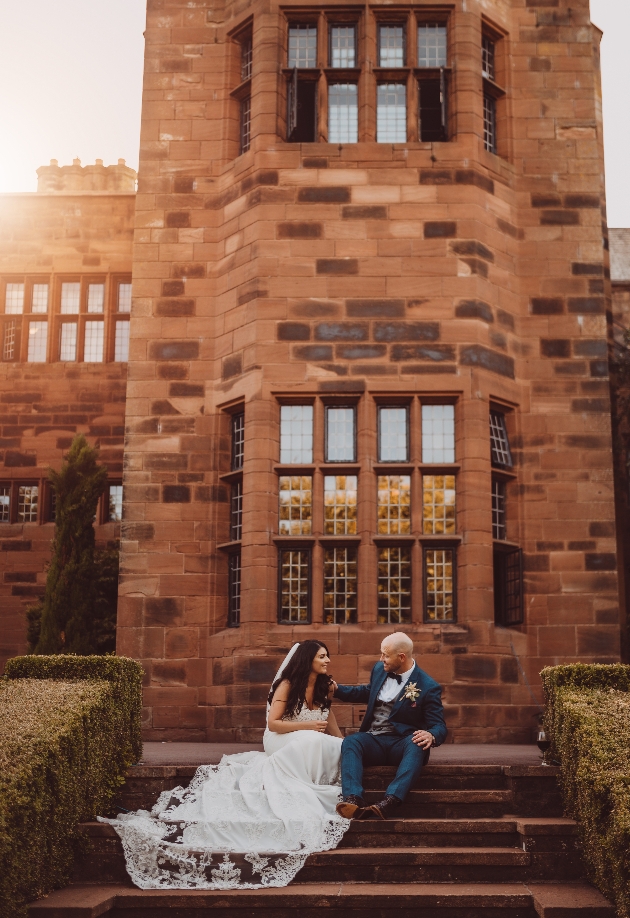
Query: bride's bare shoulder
{"points": [[282, 692]]}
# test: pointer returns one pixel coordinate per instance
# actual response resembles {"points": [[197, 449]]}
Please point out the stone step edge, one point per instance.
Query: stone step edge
{"points": [[518, 825], [512, 771], [559, 900]]}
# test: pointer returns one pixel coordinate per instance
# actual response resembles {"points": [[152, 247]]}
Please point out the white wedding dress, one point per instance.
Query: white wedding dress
{"points": [[250, 821]]}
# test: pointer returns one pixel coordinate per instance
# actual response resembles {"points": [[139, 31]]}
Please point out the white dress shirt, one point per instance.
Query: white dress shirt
{"points": [[392, 688]]}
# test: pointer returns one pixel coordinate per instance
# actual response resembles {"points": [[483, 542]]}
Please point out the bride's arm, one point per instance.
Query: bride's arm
{"points": [[276, 713], [333, 728]]}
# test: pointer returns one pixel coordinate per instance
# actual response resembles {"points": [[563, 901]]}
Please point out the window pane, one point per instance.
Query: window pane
{"points": [[438, 433], [40, 298], [394, 505], [246, 58], [124, 298], [246, 124], [115, 503], [391, 113], [508, 587], [487, 57], [438, 504], [68, 344], [394, 586], [236, 511], [9, 340], [14, 302], [296, 434], [295, 504], [234, 590], [303, 46], [121, 344], [70, 299], [94, 338], [391, 46], [431, 45], [343, 119], [294, 586], [238, 440], [498, 509], [342, 46], [340, 504], [393, 437], [52, 506], [499, 443], [439, 590], [37, 341], [432, 112], [489, 123], [5, 503], [27, 503], [340, 586], [96, 298], [340, 435]]}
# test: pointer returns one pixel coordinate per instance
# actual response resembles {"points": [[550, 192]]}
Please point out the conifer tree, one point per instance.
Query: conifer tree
{"points": [[67, 607]]}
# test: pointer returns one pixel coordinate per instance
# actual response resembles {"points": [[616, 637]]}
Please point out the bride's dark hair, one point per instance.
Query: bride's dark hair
{"points": [[296, 672]]}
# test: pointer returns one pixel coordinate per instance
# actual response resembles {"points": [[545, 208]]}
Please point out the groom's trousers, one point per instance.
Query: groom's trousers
{"points": [[361, 749]]}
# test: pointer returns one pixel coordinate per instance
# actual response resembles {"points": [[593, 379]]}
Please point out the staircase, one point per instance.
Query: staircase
{"points": [[472, 841]]}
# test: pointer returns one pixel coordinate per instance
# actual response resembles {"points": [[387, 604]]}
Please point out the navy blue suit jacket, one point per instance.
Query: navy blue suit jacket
{"points": [[426, 713]]}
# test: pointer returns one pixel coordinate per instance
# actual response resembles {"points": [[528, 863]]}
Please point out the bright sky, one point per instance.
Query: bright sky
{"points": [[71, 79]]}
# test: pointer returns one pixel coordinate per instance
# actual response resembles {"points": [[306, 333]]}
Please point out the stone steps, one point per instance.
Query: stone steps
{"points": [[334, 900], [470, 837]]}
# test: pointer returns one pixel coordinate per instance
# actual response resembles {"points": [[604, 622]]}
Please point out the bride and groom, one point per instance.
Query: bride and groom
{"points": [[252, 820]]}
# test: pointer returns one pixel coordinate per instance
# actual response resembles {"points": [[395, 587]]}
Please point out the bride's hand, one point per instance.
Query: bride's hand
{"points": [[319, 725]]}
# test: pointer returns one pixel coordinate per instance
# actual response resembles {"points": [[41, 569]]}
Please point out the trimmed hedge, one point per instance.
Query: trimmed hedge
{"points": [[69, 730], [588, 718]]}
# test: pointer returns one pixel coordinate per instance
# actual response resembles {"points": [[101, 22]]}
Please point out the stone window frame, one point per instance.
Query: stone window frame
{"points": [[432, 546], [14, 484], [241, 79], [229, 478], [235, 580], [507, 556], [494, 90], [366, 76], [19, 321]]}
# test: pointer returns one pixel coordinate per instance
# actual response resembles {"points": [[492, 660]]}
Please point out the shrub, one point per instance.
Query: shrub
{"points": [[69, 730], [588, 717]]}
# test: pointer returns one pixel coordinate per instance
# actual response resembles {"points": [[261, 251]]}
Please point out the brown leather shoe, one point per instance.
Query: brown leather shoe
{"points": [[385, 807], [351, 807]]}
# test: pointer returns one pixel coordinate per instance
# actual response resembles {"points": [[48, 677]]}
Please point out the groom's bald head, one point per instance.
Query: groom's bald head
{"points": [[396, 652]]}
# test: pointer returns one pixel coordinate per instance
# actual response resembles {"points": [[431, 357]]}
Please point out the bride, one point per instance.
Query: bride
{"points": [[252, 820]]}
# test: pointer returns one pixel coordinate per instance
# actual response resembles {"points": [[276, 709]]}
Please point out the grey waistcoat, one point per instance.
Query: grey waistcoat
{"points": [[382, 710]]}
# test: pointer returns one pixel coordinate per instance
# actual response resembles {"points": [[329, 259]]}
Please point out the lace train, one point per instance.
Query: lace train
{"points": [[249, 822]]}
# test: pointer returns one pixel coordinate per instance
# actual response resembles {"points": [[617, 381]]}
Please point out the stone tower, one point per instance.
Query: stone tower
{"points": [[368, 358]]}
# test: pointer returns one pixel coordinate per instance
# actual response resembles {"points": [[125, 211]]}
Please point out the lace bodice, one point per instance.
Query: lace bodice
{"points": [[305, 714]]}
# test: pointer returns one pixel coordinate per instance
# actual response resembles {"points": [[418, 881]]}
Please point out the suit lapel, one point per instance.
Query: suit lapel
{"points": [[414, 677]]}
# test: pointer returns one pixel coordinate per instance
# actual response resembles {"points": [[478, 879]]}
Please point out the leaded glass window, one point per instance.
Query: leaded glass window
{"points": [[394, 505], [246, 58], [121, 342], [340, 435], [394, 585], [438, 504], [340, 504], [238, 440], [28, 497], [234, 590], [487, 57], [343, 113], [9, 340], [5, 503], [70, 299], [393, 434], [96, 298], [431, 44], [124, 297], [294, 593], [14, 299], [490, 123], [391, 113], [236, 511], [296, 434], [39, 302], [68, 341], [340, 586], [343, 46], [438, 434], [296, 505], [303, 46], [391, 46], [37, 342], [499, 443], [94, 342], [439, 584], [115, 503], [498, 509], [246, 124]]}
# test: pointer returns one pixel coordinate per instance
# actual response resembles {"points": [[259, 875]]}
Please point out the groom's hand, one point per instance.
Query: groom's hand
{"points": [[423, 738]]}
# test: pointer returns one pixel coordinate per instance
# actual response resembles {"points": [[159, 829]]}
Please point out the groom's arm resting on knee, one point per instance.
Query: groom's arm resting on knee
{"points": [[433, 731]]}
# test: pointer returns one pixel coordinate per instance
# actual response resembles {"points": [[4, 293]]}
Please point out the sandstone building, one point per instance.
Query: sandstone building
{"points": [[368, 357]]}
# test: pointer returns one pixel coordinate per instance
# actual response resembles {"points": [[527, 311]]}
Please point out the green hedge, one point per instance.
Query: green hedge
{"points": [[588, 718], [69, 730]]}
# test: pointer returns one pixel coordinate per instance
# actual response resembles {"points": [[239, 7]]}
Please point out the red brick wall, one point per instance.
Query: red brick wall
{"points": [[314, 270]]}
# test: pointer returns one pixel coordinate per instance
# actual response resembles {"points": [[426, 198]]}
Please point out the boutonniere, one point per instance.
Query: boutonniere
{"points": [[411, 691]]}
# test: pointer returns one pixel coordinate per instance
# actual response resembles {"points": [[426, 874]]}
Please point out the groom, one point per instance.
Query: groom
{"points": [[403, 720]]}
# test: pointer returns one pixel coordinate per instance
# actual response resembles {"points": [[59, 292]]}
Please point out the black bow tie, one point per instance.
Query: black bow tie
{"points": [[395, 676]]}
